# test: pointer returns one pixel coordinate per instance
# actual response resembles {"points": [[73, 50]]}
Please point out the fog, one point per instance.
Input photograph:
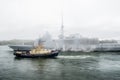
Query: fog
{"points": [[28, 19]]}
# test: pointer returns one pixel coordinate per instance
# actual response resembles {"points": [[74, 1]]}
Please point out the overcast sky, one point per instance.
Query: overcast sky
{"points": [[28, 19]]}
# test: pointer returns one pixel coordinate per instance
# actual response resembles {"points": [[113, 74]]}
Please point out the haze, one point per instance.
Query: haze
{"points": [[28, 19]]}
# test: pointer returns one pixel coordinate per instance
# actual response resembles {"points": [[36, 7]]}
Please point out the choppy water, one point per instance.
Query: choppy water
{"points": [[96, 66]]}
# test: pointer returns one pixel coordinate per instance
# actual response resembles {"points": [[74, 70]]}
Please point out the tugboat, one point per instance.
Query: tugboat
{"points": [[38, 51]]}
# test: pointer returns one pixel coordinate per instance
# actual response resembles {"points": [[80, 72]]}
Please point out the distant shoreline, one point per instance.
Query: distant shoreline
{"points": [[17, 42]]}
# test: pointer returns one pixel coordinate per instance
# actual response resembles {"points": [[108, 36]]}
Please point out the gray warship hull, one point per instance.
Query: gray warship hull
{"points": [[21, 47]]}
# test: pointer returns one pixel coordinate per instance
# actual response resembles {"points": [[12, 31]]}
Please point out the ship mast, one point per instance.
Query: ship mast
{"points": [[62, 33], [62, 28], [62, 24]]}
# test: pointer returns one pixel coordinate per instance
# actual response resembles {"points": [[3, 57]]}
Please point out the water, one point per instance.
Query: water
{"points": [[93, 66]]}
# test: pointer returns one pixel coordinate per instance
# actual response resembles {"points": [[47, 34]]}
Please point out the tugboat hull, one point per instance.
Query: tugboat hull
{"points": [[49, 55]]}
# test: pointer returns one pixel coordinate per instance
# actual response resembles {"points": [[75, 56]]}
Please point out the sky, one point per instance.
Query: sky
{"points": [[29, 19]]}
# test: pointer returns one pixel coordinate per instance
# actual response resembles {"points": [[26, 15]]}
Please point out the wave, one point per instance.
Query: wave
{"points": [[75, 57]]}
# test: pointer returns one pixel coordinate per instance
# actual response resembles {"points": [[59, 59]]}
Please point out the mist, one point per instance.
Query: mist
{"points": [[28, 19]]}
